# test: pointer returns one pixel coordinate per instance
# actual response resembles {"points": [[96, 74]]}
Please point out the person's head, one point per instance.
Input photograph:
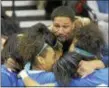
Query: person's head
{"points": [[10, 55], [63, 22], [35, 48], [88, 38], [66, 67]]}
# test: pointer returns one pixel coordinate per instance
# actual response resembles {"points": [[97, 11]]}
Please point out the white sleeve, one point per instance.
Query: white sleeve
{"points": [[100, 16]]}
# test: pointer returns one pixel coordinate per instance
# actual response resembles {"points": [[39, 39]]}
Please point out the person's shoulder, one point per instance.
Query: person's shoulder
{"points": [[94, 79], [4, 70], [102, 72], [43, 77], [7, 71], [5, 80], [44, 74], [48, 75], [5, 77], [81, 21]]}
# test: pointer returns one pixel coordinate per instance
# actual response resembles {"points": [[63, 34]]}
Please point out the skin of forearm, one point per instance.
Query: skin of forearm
{"points": [[99, 64], [31, 83]]}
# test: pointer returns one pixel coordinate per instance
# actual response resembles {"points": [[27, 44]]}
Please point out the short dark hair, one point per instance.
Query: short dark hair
{"points": [[63, 11], [89, 38], [66, 67]]}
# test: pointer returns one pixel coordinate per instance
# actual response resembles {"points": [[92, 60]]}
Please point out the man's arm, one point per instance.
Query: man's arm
{"points": [[87, 67]]}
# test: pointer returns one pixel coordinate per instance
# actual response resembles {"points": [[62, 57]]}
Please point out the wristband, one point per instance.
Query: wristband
{"points": [[23, 74]]}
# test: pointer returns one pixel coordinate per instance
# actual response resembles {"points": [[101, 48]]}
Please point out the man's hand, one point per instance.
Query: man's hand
{"points": [[88, 67]]}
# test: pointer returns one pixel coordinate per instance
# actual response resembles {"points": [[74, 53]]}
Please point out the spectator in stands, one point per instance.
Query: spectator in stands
{"points": [[79, 7], [13, 62]]}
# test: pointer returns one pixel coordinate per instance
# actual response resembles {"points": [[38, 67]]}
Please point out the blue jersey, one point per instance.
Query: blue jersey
{"points": [[97, 78], [41, 77], [8, 78]]}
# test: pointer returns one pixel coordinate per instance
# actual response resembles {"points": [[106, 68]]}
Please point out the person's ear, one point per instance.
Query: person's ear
{"points": [[41, 60]]}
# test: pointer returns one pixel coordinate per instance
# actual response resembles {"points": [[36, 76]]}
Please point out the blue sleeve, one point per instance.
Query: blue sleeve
{"points": [[43, 78], [5, 81], [20, 83], [49, 77], [95, 79]]}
